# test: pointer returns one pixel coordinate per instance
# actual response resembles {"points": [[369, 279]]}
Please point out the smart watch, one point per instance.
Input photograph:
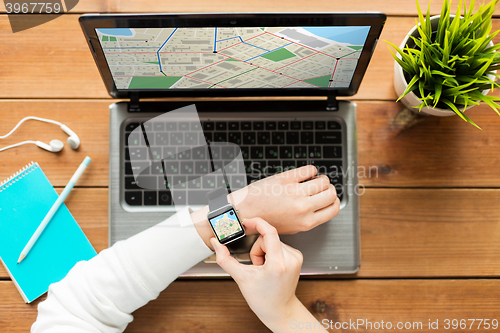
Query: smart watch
{"points": [[223, 218]]}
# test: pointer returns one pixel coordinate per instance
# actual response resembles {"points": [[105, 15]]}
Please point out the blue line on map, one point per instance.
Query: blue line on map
{"points": [[256, 46], [220, 40], [158, 52], [267, 52], [215, 43]]}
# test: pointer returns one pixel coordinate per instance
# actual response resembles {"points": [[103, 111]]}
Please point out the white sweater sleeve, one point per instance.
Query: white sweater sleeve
{"points": [[99, 295]]}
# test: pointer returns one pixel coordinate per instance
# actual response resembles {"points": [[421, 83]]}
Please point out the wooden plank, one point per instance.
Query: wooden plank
{"points": [[83, 6], [404, 232], [407, 149], [396, 148], [207, 306], [59, 64], [90, 209], [390, 7]]}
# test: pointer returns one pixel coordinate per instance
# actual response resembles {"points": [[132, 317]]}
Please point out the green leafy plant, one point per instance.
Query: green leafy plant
{"points": [[450, 66]]}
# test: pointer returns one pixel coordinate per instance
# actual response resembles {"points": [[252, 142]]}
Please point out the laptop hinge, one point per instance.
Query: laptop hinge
{"points": [[331, 101], [133, 105]]}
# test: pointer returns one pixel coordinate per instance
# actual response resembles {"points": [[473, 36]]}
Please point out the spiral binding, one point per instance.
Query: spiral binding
{"points": [[18, 175]]}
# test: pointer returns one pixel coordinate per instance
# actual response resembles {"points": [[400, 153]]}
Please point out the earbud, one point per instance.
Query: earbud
{"points": [[73, 140], [55, 145]]}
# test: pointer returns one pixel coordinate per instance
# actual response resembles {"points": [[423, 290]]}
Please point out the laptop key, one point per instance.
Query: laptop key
{"points": [[131, 126], [234, 137], [306, 138], [286, 152], [246, 126], [295, 125], [300, 152], [208, 137], [193, 182], [314, 151], [148, 126], [234, 126], [179, 197], [332, 151], [171, 126], [307, 125], [328, 137], [270, 125], [133, 139], [149, 198], [183, 126], [248, 138], [191, 139], [159, 127], [244, 152], [292, 138], [320, 125], [220, 126], [263, 138], [283, 125], [137, 154], [258, 125], [301, 163], [333, 125], [274, 167], [208, 126], [202, 167], [161, 139], [176, 138], [257, 152], [271, 152], [169, 153], [164, 198], [133, 198], [187, 168], [227, 152], [278, 138], [195, 126], [200, 153], [220, 137]]}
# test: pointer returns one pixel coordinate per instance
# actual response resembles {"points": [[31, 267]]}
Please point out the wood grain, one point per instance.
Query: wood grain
{"points": [[404, 233], [215, 306], [396, 148], [390, 7], [60, 65]]}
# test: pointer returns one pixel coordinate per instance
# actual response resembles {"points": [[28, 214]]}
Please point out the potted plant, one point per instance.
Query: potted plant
{"points": [[447, 63]]}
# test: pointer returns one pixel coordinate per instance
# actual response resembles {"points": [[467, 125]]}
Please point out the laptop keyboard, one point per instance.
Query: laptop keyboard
{"points": [[268, 147]]}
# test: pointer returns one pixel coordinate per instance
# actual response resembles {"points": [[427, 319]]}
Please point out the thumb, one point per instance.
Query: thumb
{"points": [[225, 261]]}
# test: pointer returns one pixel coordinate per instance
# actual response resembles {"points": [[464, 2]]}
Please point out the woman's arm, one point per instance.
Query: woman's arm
{"points": [[99, 295]]}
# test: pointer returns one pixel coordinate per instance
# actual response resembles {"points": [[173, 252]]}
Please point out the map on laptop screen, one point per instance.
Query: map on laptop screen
{"points": [[252, 58]]}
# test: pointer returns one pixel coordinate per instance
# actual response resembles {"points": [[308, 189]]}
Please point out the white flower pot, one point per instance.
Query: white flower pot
{"points": [[400, 84]]}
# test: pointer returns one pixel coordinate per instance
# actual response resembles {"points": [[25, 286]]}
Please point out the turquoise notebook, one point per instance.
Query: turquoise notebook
{"points": [[25, 199]]}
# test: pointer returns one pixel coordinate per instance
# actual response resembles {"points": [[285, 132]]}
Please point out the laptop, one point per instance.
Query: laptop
{"points": [[297, 64]]}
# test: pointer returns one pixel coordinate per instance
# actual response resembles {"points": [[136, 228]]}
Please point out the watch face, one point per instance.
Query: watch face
{"points": [[226, 226]]}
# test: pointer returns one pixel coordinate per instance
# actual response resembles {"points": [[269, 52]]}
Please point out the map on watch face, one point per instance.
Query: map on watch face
{"points": [[225, 224], [226, 58]]}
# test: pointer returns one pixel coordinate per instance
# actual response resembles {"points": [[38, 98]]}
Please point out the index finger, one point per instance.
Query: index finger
{"points": [[271, 244], [300, 174]]}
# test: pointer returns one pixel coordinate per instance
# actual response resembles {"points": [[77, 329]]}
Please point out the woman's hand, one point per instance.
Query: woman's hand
{"points": [[269, 284], [288, 203]]}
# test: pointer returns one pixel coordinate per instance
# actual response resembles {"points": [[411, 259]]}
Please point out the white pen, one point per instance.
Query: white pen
{"points": [[54, 208]]}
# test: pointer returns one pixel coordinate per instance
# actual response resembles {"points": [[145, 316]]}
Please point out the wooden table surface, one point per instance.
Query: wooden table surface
{"points": [[430, 217]]}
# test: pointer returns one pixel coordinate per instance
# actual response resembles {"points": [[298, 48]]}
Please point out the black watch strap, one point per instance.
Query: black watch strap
{"points": [[217, 198]]}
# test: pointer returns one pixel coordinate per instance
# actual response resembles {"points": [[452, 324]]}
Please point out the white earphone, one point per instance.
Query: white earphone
{"points": [[55, 145]]}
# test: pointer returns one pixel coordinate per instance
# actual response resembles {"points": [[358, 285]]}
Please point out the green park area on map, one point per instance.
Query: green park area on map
{"points": [[321, 81], [164, 82], [278, 55]]}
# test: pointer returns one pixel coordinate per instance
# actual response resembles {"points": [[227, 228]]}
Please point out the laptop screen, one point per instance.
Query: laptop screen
{"points": [[306, 57]]}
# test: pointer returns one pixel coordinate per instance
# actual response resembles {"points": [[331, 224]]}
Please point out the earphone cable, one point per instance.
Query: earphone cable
{"points": [[18, 144], [29, 118]]}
